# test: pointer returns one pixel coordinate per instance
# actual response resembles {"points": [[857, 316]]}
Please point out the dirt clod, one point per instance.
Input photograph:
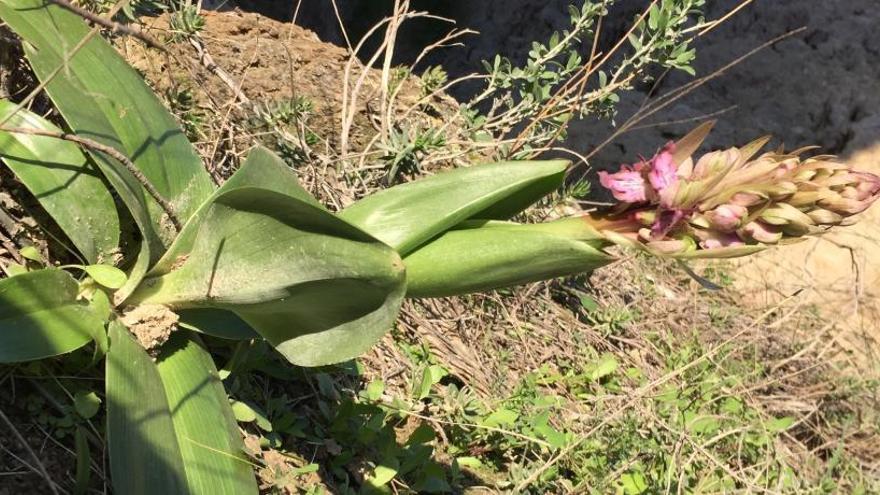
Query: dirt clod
{"points": [[151, 324]]}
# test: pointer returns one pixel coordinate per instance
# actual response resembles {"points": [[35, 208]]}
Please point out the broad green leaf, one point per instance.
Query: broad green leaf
{"points": [[67, 186], [208, 437], [605, 366], [169, 426], [553, 436], [41, 317], [13, 269], [384, 473], [308, 468], [589, 304], [430, 377], [243, 412], [375, 389], [248, 413], [408, 215], [469, 462], [318, 289], [633, 483], [777, 425], [145, 456], [699, 424], [262, 168], [501, 254], [106, 275], [101, 97]]}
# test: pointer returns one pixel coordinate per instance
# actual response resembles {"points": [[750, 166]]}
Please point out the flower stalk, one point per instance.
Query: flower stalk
{"points": [[725, 204]]}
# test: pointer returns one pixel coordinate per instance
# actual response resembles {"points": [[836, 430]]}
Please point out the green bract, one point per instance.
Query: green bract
{"points": [[256, 258]]}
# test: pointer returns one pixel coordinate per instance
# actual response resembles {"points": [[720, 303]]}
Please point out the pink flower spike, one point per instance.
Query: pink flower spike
{"points": [[663, 172], [627, 185]]}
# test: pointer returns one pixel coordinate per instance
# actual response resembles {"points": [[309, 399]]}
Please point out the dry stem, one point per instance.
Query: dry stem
{"points": [[113, 152]]}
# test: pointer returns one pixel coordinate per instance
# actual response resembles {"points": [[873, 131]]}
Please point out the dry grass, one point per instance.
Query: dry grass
{"points": [[491, 342]]}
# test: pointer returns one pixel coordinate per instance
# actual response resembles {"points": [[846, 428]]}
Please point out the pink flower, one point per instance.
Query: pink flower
{"points": [[727, 218], [663, 170], [627, 185]]}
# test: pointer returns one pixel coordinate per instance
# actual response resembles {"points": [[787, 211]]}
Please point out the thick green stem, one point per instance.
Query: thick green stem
{"points": [[492, 255]]}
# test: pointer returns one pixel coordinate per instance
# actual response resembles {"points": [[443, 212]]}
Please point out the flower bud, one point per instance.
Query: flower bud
{"points": [[727, 217], [700, 221], [781, 190], [747, 199], [714, 163], [710, 239], [761, 232], [784, 167], [671, 246], [785, 214], [825, 217], [804, 175], [850, 201], [807, 198]]}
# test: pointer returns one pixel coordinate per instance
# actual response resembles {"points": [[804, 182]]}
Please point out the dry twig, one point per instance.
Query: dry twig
{"points": [[112, 152], [110, 24]]}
